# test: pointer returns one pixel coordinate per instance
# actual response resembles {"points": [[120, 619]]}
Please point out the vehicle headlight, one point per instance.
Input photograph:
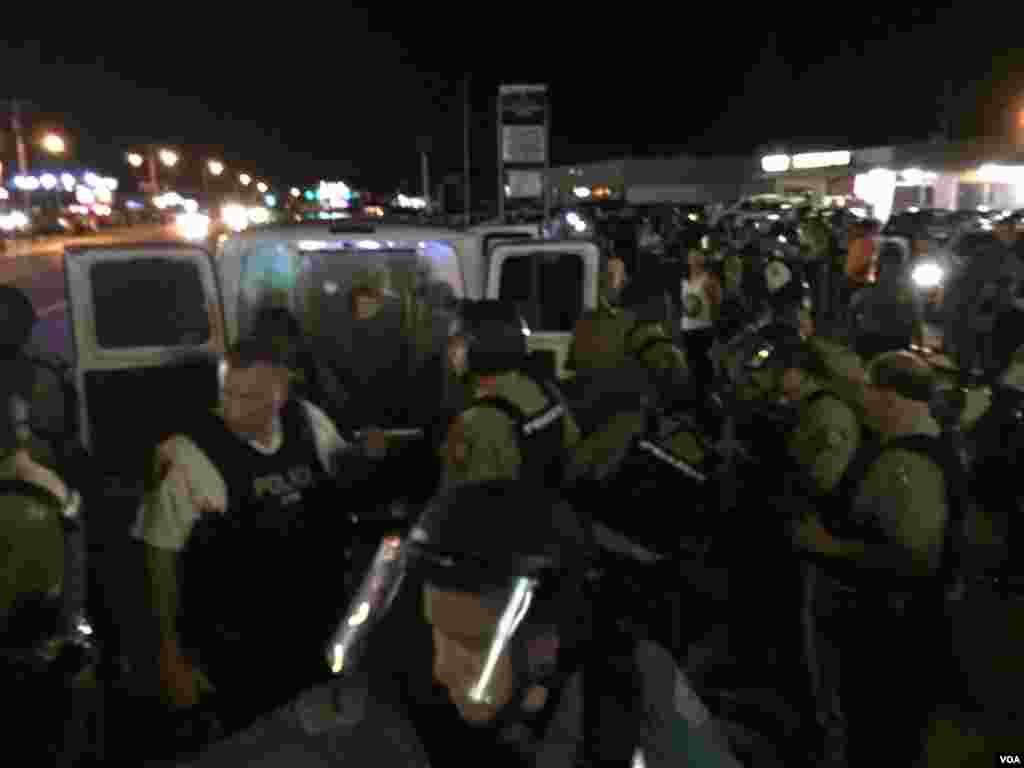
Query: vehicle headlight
{"points": [[927, 275], [193, 226], [236, 217]]}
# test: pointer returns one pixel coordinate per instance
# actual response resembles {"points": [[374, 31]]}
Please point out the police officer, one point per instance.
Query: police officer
{"points": [[887, 315], [650, 341], [534, 667], [518, 425], [242, 534], [45, 651], [1008, 329], [882, 561]]}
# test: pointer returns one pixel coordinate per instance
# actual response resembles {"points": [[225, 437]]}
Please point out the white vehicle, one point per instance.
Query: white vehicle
{"points": [[156, 318], [494, 233], [760, 207]]}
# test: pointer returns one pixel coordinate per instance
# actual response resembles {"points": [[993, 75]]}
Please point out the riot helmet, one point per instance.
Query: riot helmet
{"points": [[502, 566]]}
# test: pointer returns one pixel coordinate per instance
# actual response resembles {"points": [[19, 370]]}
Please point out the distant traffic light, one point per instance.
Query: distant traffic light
{"points": [[310, 195]]}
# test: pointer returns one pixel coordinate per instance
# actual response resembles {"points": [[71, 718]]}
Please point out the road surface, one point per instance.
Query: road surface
{"points": [[36, 267]]}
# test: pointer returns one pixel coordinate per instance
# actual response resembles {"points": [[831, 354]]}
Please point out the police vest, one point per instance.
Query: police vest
{"points": [[837, 507], [37, 617], [248, 572], [541, 436]]}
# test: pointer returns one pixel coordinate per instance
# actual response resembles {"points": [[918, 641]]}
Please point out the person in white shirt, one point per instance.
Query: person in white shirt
{"points": [[700, 298]]}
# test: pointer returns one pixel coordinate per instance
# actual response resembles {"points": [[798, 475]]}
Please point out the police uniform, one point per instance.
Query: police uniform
{"points": [[871, 628], [45, 660], [251, 529], [31, 551], [624, 361], [487, 441], [826, 437]]}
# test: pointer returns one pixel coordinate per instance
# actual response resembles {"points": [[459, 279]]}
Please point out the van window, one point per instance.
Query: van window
{"points": [[547, 287], [151, 302], [267, 280], [489, 241]]}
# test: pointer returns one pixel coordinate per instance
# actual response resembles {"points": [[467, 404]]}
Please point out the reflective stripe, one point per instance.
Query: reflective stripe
{"points": [[543, 420], [668, 458]]}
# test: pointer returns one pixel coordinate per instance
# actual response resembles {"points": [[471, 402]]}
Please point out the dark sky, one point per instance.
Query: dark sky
{"points": [[345, 93]]}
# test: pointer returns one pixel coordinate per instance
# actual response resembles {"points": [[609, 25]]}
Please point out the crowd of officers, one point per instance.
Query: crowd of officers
{"points": [[841, 528]]}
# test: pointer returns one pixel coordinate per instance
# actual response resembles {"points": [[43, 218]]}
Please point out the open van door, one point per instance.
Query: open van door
{"points": [[552, 283], [147, 328]]}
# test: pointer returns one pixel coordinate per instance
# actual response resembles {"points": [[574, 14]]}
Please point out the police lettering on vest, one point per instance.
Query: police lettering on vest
{"points": [[260, 557]]}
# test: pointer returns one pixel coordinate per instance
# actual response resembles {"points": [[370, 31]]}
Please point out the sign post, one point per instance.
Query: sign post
{"points": [[523, 138]]}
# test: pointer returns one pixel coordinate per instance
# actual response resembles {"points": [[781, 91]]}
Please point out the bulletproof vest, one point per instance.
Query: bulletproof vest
{"points": [[541, 435], [838, 506], [257, 560], [835, 507], [35, 617]]}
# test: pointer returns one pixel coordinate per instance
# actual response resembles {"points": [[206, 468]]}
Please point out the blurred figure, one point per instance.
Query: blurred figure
{"points": [[309, 379], [982, 298], [701, 297], [888, 315]]}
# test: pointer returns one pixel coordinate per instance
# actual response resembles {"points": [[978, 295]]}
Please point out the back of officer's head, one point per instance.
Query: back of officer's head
{"points": [[496, 335], [254, 385], [900, 390], [796, 362]]}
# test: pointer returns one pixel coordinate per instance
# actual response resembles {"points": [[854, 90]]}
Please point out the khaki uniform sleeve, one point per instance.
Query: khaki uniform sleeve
{"points": [[825, 441], [481, 446], [907, 496], [600, 449]]}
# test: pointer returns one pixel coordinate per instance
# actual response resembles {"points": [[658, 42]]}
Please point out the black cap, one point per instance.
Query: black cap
{"points": [[904, 373]]}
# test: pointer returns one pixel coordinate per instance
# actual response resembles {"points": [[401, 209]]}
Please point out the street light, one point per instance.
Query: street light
{"points": [[246, 179], [262, 188], [216, 167], [296, 192], [54, 144], [168, 158], [135, 160]]}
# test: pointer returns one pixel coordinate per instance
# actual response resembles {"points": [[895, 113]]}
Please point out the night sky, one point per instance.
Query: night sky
{"points": [[346, 93]]}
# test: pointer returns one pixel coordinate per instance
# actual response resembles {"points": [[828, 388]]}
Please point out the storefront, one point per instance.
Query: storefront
{"points": [[968, 175], [679, 180]]}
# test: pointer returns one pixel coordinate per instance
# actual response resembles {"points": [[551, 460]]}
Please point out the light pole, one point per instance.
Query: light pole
{"points": [[216, 168], [168, 158], [54, 145], [19, 141]]}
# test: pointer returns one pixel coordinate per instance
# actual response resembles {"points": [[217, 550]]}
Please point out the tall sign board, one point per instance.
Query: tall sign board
{"points": [[523, 139]]}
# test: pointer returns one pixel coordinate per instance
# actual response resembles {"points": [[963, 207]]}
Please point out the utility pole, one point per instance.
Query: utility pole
{"points": [[465, 145], [423, 145], [19, 141], [426, 176]]}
